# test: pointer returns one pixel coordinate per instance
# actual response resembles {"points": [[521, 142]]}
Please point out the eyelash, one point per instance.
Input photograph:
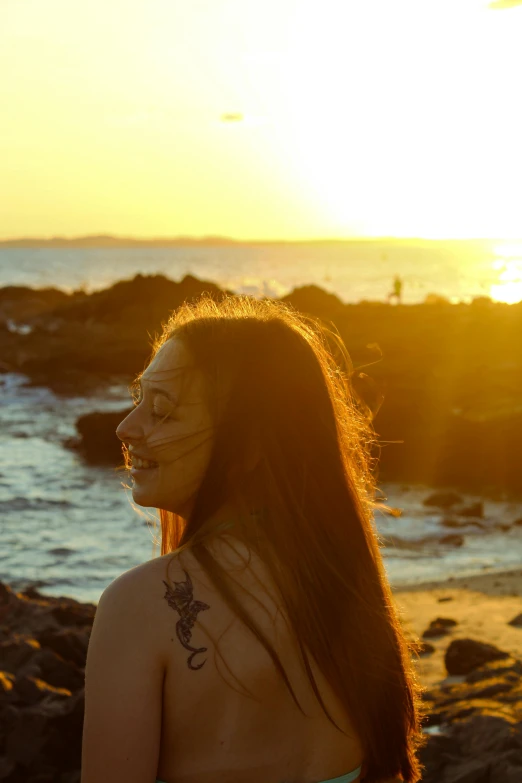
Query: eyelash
{"points": [[153, 412], [159, 415]]}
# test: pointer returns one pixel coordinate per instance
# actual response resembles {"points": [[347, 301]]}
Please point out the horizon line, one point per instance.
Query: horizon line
{"points": [[209, 238]]}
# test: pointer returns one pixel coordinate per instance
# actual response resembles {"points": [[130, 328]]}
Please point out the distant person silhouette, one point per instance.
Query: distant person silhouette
{"points": [[397, 290]]}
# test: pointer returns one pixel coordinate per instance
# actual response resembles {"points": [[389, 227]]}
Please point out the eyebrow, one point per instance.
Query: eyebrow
{"points": [[158, 390]]}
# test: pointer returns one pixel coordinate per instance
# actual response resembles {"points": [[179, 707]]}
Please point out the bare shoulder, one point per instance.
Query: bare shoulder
{"points": [[159, 599], [151, 577], [135, 596], [242, 565], [182, 613]]}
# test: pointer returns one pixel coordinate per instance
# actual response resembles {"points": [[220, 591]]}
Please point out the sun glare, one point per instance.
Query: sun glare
{"points": [[364, 137], [509, 287], [506, 251]]}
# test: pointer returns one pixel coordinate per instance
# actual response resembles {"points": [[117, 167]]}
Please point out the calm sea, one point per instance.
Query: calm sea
{"points": [[354, 271], [70, 528]]}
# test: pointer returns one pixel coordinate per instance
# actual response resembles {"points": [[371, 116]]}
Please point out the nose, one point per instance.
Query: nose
{"points": [[129, 429]]}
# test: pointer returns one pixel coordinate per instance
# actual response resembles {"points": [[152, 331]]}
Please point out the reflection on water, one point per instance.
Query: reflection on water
{"points": [[508, 264]]}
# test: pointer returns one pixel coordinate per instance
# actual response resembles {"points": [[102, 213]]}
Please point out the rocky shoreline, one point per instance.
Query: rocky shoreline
{"points": [[474, 715], [444, 381], [43, 648]]}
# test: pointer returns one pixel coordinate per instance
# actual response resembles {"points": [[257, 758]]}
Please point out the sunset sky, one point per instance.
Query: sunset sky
{"points": [[390, 118]]}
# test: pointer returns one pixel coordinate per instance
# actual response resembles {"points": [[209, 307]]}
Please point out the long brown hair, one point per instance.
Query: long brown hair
{"points": [[283, 381]]}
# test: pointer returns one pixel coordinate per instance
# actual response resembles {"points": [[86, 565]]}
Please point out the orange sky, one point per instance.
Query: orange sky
{"points": [[351, 118]]}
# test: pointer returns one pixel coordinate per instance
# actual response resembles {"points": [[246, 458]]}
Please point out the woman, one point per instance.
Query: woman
{"points": [[263, 645]]}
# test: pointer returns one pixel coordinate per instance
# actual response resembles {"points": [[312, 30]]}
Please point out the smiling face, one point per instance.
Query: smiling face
{"points": [[171, 426]]}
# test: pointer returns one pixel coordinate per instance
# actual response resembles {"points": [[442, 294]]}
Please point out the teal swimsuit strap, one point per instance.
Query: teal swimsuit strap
{"points": [[345, 778]]}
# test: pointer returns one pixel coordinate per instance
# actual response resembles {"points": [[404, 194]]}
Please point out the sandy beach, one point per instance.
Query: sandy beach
{"points": [[482, 605]]}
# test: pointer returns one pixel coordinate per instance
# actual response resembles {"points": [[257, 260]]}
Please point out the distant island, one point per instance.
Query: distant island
{"points": [[107, 240]]}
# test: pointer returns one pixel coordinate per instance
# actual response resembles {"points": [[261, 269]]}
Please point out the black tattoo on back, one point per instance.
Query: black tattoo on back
{"points": [[181, 599]]}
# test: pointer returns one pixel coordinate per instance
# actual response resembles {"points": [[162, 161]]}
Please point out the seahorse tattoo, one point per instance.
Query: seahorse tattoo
{"points": [[181, 599]]}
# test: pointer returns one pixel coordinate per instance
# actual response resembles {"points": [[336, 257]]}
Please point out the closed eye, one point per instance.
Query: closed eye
{"points": [[158, 415], [137, 399]]}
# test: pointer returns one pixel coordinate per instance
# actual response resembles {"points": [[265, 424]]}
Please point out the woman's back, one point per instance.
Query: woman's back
{"points": [[212, 732], [245, 413]]}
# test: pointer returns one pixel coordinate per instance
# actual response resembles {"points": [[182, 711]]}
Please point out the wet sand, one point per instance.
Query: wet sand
{"points": [[482, 605]]}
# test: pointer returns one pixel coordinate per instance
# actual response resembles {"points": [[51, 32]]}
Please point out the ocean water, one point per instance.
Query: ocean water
{"points": [[70, 528], [460, 271]]}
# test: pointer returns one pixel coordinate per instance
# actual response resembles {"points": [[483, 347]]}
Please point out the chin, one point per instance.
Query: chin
{"points": [[143, 498]]}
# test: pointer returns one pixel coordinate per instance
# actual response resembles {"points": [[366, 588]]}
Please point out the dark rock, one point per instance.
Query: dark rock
{"points": [[7, 681], [516, 621], [452, 539], [111, 326], [446, 622], [435, 754], [501, 667], [439, 627], [7, 599], [6, 767], [472, 510], [474, 751], [32, 592], [426, 648], [464, 655], [27, 737], [445, 598], [21, 303], [456, 523], [67, 724], [8, 713], [98, 440], [69, 643], [506, 769], [5, 593], [42, 694], [31, 690], [15, 652], [312, 299], [57, 672], [442, 499], [469, 771], [22, 617], [488, 734], [74, 613], [449, 708], [141, 302]]}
